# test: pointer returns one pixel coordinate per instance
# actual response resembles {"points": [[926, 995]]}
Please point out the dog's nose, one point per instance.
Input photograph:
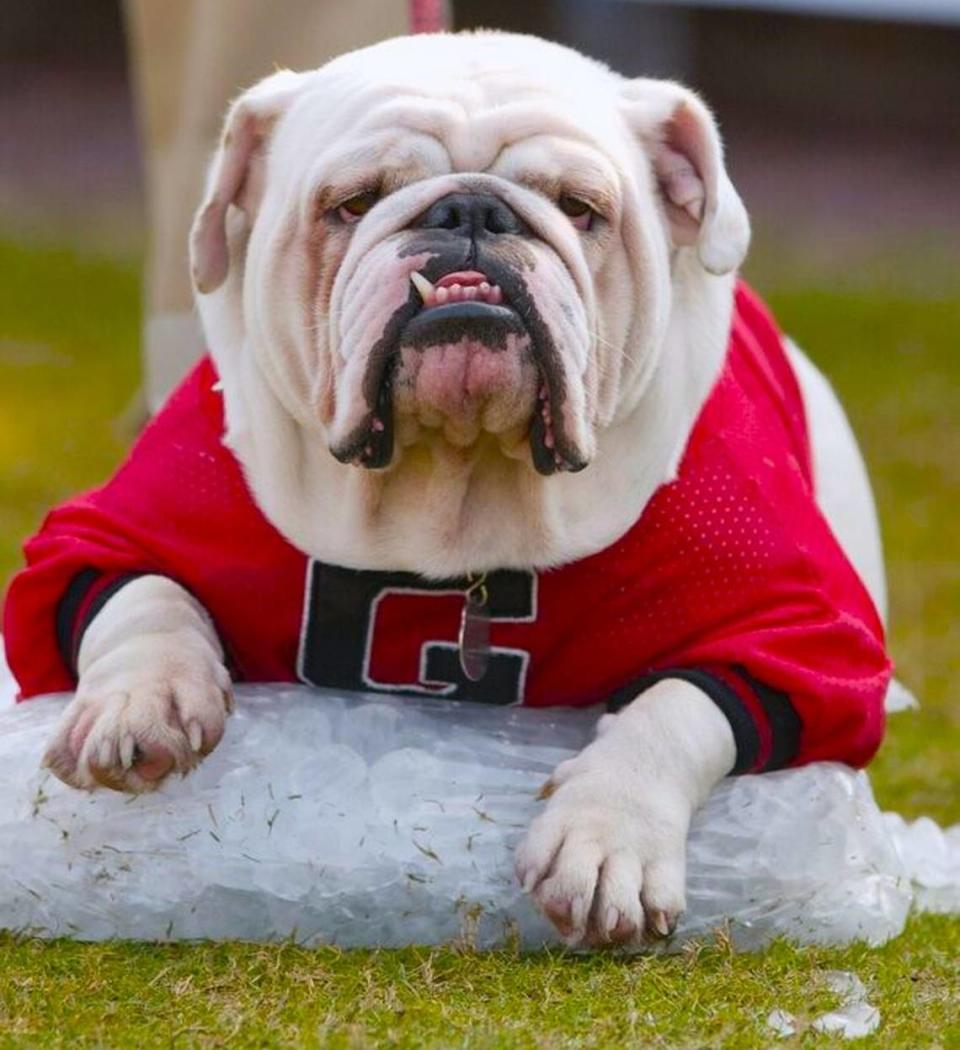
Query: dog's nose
{"points": [[471, 215]]}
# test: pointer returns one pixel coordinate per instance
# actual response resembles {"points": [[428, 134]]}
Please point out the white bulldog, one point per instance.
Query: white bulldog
{"points": [[467, 296]]}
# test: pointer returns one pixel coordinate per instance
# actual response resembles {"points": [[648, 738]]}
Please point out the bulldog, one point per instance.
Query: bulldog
{"points": [[487, 415]]}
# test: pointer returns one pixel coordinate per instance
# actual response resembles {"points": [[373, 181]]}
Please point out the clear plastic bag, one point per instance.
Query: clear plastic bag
{"points": [[361, 820], [931, 857]]}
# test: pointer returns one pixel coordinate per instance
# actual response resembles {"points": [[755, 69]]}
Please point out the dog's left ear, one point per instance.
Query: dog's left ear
{"points": [[681, 138], [233, 173]]}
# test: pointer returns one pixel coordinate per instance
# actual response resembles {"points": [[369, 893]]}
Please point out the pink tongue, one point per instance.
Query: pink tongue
{"points": [[465, 278]]}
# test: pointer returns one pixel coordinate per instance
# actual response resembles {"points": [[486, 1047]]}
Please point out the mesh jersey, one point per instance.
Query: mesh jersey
{"points": [[731, 578]]}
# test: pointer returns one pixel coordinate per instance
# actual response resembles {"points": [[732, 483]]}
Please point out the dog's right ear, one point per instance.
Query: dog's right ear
{"points": [[246, 133]]}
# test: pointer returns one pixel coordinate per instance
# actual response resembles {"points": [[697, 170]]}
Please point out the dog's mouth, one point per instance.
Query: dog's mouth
{"points": [[463, 286], [453, 306]]}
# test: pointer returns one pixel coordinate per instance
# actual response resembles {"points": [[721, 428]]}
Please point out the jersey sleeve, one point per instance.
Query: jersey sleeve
{"points": [[798, 690], [760, 608], [757, 603], [75, 564], [90, 547]]}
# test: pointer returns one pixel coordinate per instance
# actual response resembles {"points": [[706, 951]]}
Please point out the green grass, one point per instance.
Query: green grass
{"points": [[250, 996], [68, 336], [68, 371]]}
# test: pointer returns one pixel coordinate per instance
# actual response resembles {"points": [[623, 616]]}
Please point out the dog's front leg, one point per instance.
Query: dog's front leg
{"points": [[153, 693], [606, 859]]}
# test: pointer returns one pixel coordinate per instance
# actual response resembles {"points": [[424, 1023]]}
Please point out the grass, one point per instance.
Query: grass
{"points": [[250, 996], [68, 369], [68, 333]]}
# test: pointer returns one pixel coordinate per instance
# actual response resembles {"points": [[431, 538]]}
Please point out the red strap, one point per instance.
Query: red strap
{"points": [[428, 16]]}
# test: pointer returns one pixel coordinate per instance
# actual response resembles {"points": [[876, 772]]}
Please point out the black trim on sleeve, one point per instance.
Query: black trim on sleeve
{"points": [[745, 732], [785, 723], [72, 619], [66, 615]]}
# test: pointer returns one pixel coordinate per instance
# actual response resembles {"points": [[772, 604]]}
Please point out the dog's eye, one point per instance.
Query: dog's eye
{"points": [[577, 211], [354, 208]]}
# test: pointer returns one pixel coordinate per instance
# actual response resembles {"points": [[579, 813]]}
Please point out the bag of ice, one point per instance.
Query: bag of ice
{"points": [[371, 820]]}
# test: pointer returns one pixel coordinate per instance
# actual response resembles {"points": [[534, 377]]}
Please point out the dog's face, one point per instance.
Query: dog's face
{"points": [[463, 247]]}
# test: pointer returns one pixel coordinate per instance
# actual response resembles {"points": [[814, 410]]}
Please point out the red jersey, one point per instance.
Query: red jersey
{"points": [[731, 579]]}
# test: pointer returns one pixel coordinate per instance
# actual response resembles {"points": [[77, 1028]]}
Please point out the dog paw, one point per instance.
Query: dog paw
{"points": [[130, 728], [606, 860]]}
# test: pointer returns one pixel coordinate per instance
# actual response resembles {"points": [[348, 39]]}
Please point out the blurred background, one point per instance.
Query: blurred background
{"points": [[840, 116], [842, 125]]}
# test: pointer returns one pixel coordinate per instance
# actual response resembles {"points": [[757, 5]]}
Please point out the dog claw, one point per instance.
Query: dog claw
{"points": [[611, 919], [660, 924], [127, 750], [105, 754]]}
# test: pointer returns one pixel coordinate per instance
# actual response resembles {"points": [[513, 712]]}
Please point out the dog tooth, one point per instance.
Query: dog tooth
{"points": [[548, 439], [469, 293], [496, 295], [484, 288], [442, 295], [456, 291], [424, 287], [377, 425]]}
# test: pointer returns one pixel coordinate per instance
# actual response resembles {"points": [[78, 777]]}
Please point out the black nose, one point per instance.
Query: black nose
{"points": [[471, 215]]}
